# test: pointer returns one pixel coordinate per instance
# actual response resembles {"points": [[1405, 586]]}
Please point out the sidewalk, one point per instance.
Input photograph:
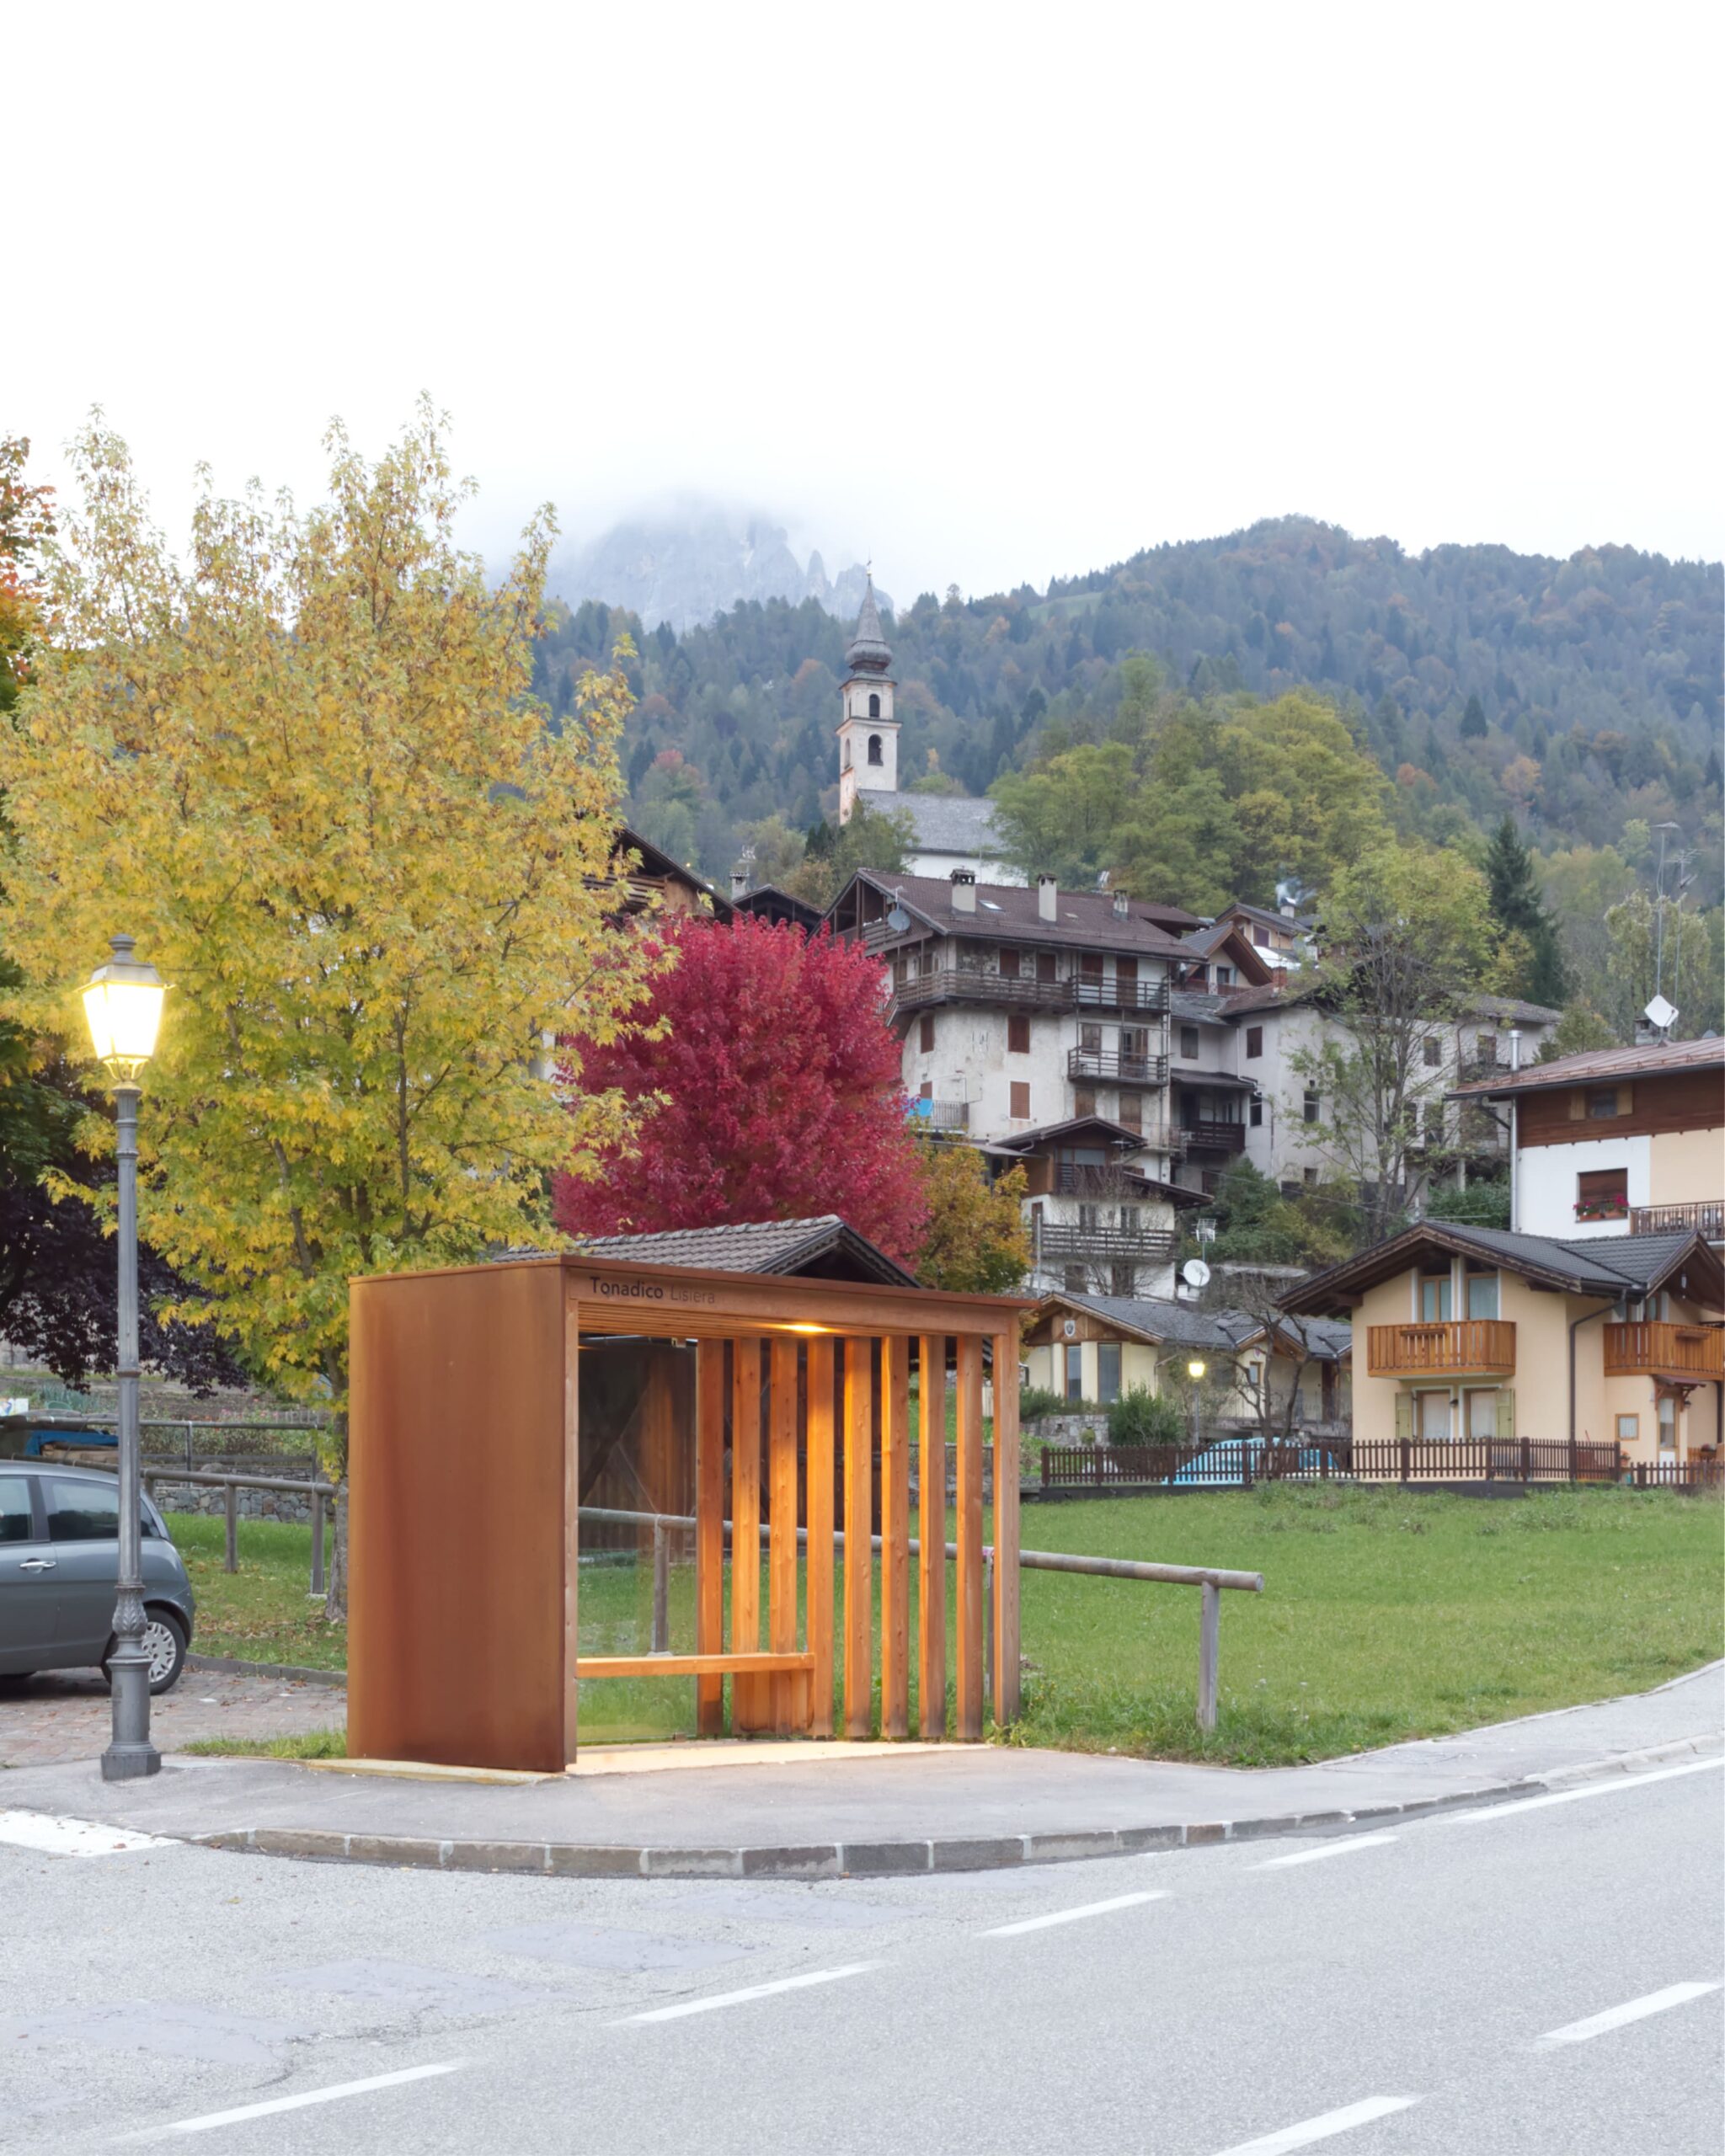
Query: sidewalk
{"points": [[809, 1812]]}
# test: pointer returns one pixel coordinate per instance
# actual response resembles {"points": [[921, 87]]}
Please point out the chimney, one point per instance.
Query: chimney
{"points": [[1515, 1047], [964, 890], [740, 881], [1048, 894], [1119, 905]]}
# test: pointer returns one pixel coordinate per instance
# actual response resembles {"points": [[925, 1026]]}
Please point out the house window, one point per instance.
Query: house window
{"points": [[925, 1032], [1433, 1121], [873, 712], [1435, 1298], [925, 1092], [1254, 1040], [1260, 936], [1084, 1100], [1211, 1181], [1485, 1048], [1090, 1039], [1131, 1116], [1009, 964], [1602, 1104], [1482, 1295], [1017, 1037], [1108, 1367], [1435, 1417], [1018, 1107], [1433, 1051], [874, 756], [1126, 980], [1124, 1280], [1482, 1414], [1254, 1115], [1668, 1426], [1309, 1176], [1076, 1284], [1075, 1369], [1189, 1043], [1602, 1194], [1311, 1106], [1045, 966], [1224, 976], [1628, 1429]]}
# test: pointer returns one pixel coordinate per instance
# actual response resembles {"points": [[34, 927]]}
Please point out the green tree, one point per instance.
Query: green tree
{"points": [[1520, 906], [1580, 1030], [874, 838], [1306, 796], [1473, 721], [1685, 973], [1061, 818], [977, 1243]]}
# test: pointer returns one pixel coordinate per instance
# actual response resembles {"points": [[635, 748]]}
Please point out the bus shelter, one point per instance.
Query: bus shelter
{"points": [[567, 1476]]}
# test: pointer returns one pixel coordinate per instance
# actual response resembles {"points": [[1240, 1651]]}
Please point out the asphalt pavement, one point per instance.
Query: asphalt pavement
{"points": [[1540, 1976]]}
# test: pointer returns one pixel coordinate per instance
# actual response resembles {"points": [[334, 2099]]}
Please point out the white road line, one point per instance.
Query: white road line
{"points": [[1072, 1916], [1325, 1850], [1515, 1808], [1320, 2128], [58, 1836], [329, 2095], [1618, 2017], [754, 1991]]}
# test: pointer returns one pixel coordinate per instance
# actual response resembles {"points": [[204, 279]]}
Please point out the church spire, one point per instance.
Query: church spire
{"points": [[869, 651]]}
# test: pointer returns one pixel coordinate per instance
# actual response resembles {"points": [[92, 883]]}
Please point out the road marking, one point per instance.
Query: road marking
{"points": [[1344, 1848], [58, 1836], [753, 1991], [1618, 2017], [1320, 2128], [1072, 1916], [329, 2095], [1572, 1795]]}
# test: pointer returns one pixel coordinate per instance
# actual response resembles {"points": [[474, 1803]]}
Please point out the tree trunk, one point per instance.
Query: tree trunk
{"points": [[335, 1587]]}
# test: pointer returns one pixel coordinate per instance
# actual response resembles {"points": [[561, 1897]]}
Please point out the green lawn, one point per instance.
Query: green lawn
{"points": [[1385, 1615]]}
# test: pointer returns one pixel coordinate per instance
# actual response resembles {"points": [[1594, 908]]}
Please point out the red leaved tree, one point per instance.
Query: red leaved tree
{"points": [[783, 1097]]}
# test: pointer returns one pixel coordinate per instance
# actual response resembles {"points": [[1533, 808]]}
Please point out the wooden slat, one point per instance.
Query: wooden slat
{"points": [[571, 1529], [1006, 1678], [789, 1693], [968, 1538], [859, 1526], [817, 1590], [709, 1529], [895, 1535], [931, 1530], [752, 1705], [756, 1666]]}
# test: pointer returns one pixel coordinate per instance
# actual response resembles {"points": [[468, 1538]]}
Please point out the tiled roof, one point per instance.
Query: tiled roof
{"points": [[943, 823], [757, 1247], [1597, 1065], [1512, 1006], [1006, 913], [1191, 1324], [1587, 1265]]}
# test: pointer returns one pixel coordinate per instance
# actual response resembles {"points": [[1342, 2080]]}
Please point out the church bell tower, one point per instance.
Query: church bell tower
{"points": [[868, 734]]}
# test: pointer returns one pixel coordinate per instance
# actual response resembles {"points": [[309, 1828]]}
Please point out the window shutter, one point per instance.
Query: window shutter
{"points": [[1577, 1104], [1625, 1100], [1506, 1412], [1404, 1414]]}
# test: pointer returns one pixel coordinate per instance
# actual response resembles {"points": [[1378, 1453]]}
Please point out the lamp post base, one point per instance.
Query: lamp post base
{"points": [[130, 1756], [131, 1762]]}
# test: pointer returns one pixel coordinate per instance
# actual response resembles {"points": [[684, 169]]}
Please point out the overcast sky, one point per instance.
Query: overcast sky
{"points": [[991, 293]]}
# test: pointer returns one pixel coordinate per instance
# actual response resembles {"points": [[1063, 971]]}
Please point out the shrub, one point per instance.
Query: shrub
{"points": [[1138, 1417], [1036, 1401]]}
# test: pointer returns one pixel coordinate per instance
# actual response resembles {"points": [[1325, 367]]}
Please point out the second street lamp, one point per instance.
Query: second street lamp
{"points": [[123, 1004], [1194, 1370]]}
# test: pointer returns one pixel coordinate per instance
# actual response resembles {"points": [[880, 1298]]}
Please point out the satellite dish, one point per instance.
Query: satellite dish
{"points": [[1195, 1273], [898, 920], [1660, 1013]]}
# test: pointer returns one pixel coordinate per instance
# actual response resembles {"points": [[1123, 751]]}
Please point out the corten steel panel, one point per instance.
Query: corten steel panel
{"points": [[456, 1475]]}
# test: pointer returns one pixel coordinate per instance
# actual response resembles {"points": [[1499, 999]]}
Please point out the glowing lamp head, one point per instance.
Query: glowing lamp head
{"points": [[123, 1005], [1195, 1369]]}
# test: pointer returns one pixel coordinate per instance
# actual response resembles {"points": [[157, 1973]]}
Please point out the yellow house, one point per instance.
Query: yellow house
{"points": [[1463, 1336]]}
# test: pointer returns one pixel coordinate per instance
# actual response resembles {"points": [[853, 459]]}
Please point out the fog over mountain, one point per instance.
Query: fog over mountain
{"points": [[687, 565]]}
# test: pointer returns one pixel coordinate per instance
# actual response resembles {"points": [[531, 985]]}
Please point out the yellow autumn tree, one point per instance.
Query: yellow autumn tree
{"points": [[301, 764], [977, 1243]]}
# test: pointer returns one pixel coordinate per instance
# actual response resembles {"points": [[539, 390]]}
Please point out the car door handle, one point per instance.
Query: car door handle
{"points": [[38, 1564]]}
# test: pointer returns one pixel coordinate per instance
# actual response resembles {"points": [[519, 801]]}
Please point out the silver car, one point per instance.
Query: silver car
{"points": [[59, 1562]]}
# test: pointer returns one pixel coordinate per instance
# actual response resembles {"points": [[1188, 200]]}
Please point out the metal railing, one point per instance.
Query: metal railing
{"points": [[1066, 1238], [1237, 1462], [1210, 1579], [1120, 1070], [320, 1493], [941, 1115]]}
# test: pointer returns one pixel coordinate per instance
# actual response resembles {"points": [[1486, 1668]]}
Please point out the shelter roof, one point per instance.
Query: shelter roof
{"points": [[825, 1247]]}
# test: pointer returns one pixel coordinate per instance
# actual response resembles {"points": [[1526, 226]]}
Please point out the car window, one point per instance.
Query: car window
{"points": [[81, 1511], [15, 1509]]}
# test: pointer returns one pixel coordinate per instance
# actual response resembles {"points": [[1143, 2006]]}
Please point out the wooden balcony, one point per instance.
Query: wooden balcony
{"points": [[1212, 1137], [1070, 1179], [1705, 1217], [1484, 1346], [1654, 1348], [1118, 1069], [1071, 1241], [1022, 992]]}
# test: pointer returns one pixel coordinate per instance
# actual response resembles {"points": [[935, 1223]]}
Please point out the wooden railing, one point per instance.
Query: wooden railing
{"points": [[1656, 1347], [1069, 1240], [1705, 1217], [1023, 992], [1473, 1343], [1214, 1137], [1073, 1179], [1122, 1070]]}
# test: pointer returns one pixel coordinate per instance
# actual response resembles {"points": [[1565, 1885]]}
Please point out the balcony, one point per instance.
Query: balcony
{"points": [[1020, 992], [1118, 1069], [1211, 1137], [940, 1115], [1071, 1242], [1484, 1346], [1071, 1180], [1652, 1348], [1089, 993], [1705, 1217]]}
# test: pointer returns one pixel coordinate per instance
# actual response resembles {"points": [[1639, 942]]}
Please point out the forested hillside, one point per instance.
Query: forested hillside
{"points": [[1582, 698]]}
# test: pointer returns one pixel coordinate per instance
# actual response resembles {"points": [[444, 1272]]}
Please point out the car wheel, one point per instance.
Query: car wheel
{"points": [[164, 1643]]}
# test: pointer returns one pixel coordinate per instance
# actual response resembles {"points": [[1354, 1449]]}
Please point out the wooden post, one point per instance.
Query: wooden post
{"points": [[709, 1529], [1209, 1626], [751, 1701], [859, 1528], [819, 1574], [969, 1539], [789, 1693], [931, 1527], [229, 1497], [1007, 1697], [317, 1542], [894, 1536]]}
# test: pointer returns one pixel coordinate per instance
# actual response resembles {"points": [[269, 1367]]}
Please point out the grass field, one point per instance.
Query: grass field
{"points": [[1386, 1615]]}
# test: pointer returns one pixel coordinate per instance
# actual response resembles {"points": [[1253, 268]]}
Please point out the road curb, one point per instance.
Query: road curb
{"points": [[883, 1860], [226, 1665]]}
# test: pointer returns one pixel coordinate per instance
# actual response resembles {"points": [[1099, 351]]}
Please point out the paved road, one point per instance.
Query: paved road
{"points": [[1523, 1979]]}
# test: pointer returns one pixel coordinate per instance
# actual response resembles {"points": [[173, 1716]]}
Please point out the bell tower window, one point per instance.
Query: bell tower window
{"points": [[874, 754], [874, 713]]}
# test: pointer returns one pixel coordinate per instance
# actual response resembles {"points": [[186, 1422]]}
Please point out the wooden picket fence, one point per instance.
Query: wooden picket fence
{"points": [[1234, 1462]]}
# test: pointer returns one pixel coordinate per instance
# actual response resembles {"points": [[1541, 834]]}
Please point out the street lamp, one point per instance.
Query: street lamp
{"points": [[123, 1004], [1194, 1370]]}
